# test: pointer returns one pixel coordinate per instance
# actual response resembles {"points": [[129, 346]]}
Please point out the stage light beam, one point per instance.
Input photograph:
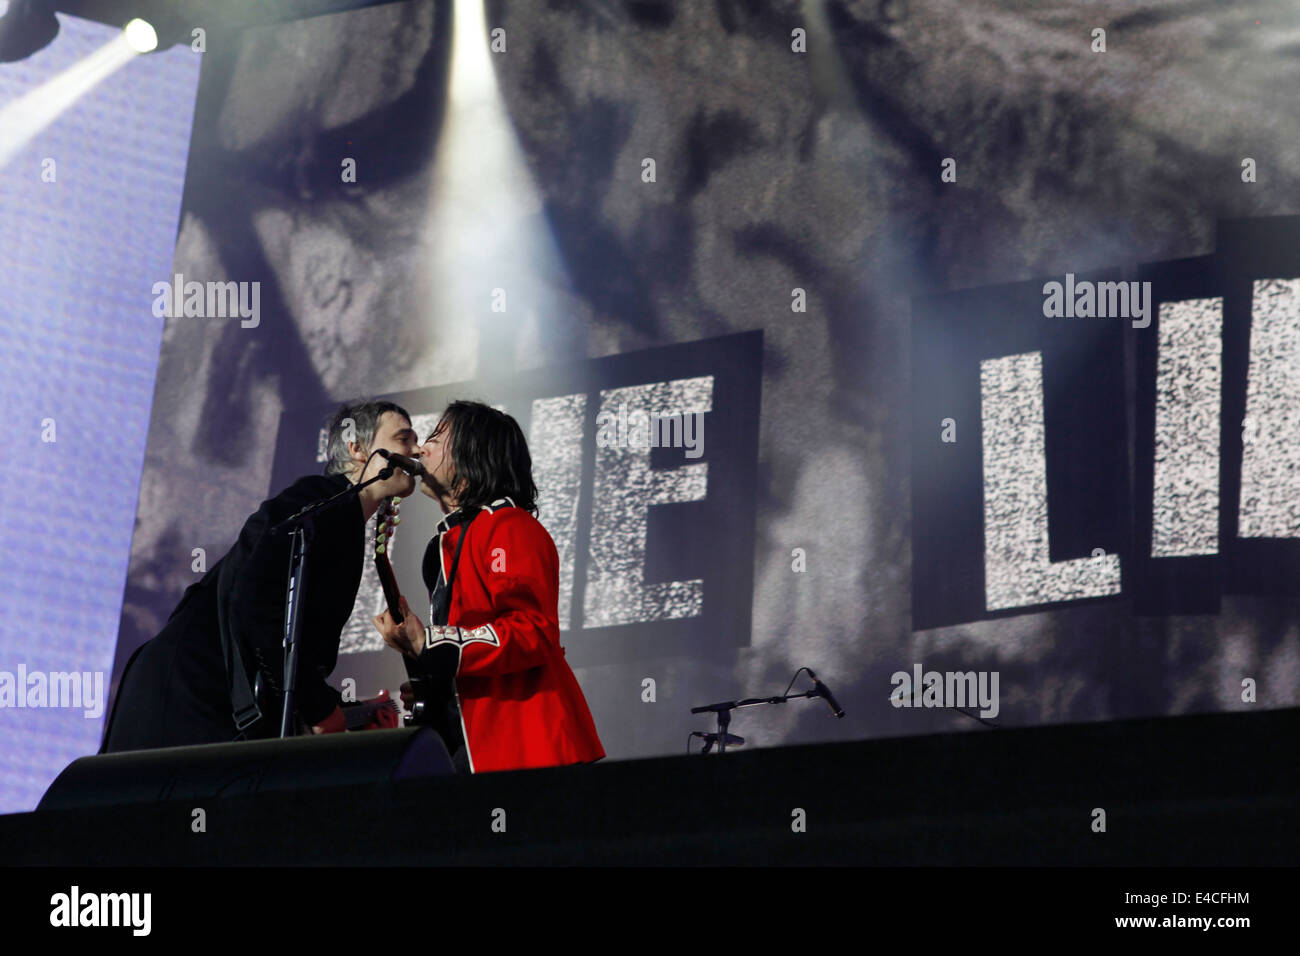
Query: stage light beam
{"points": [[485, 226], [23, 120]]}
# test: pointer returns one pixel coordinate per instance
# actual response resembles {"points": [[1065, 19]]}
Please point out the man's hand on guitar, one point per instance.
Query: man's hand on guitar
{"points": [[407, 637]]}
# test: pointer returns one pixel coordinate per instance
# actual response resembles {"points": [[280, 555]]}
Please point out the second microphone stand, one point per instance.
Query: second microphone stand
{"points": [[724, 708]]}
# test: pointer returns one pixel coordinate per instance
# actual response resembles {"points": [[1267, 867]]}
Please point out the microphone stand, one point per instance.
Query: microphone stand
{"points": [[724, 709], [300, 526]]}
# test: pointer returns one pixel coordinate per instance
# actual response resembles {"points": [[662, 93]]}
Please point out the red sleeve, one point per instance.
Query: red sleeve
{"points": [[521, 569]]}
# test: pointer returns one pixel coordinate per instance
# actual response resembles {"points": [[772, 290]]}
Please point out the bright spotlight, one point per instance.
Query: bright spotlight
{"points": [[140, 36]]}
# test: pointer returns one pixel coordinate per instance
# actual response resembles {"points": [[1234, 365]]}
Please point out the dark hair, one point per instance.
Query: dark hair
{"points": [[490, 456], [364, 414]]}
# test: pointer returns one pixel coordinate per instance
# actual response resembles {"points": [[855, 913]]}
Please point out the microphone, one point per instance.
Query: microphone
{"points": [[824, 692], [408, 465]]}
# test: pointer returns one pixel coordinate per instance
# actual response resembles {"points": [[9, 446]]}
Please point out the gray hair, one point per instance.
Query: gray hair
{"points": [[363, 418]]}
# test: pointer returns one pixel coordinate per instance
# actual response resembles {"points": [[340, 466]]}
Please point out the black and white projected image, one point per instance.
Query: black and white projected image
{"points": [[1111, 528], [1202, 438]]}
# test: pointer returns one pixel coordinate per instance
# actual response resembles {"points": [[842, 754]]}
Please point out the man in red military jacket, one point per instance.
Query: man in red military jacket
{"points": [[493, 576]]}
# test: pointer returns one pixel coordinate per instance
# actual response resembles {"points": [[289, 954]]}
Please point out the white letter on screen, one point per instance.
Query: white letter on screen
{"points": [[1017, 568], [625, 489], [1270, 464], [1189, 377], [556, 445]]}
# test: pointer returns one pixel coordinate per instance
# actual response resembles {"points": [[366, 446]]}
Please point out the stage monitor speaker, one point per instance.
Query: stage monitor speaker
{"points": [[247, 767]]}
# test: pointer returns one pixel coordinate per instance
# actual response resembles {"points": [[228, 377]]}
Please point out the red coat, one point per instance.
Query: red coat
{"points": [[520, 704]]}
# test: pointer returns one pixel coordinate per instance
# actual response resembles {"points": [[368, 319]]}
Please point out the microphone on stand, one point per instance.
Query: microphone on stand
{"points": [[408, 465], [824, 693]]}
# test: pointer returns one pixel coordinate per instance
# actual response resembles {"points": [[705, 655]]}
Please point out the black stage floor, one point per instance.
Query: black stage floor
{"points": [[1199, 790]]}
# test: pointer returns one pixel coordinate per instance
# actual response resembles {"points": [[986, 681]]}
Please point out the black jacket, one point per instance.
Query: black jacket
{"points": [[175, 691]]}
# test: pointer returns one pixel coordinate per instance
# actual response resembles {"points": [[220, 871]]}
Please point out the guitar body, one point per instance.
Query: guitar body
{"points": [[430, 705]]}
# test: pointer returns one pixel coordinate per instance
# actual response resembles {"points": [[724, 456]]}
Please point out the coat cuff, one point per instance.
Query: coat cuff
{"points": [[443, 646]]}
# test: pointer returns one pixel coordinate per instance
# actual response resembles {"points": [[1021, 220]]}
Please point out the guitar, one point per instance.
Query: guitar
{"points": [[386, 522], [363, 713], [356, 716]]}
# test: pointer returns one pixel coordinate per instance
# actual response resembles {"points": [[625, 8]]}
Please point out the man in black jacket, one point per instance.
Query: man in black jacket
{"points": [[175, 690]]}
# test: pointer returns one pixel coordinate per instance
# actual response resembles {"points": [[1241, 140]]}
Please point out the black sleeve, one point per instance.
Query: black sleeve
{"points": [[252, 589]]}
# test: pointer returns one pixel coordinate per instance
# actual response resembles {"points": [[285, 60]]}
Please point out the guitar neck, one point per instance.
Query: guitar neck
{"points": [[358, 715], [388, 580], [384, 529]]}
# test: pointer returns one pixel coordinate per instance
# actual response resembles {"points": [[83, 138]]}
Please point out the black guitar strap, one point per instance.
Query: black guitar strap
{"points": [[244, 704], [440, 600]]}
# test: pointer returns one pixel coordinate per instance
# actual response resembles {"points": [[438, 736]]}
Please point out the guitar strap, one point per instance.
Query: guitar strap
{"points": [[246, 709], [440, 600], [244, 706]]}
